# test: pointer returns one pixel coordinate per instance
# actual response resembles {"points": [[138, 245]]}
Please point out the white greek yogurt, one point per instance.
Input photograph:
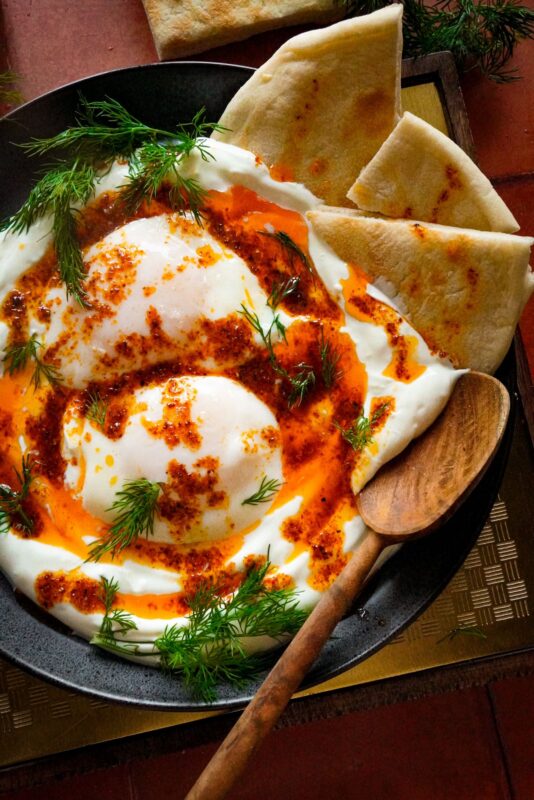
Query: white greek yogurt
{"points": [[178, 276]]}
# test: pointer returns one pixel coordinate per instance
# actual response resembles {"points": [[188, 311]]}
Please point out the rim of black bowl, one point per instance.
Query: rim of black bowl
{"points": [[398, 594]]}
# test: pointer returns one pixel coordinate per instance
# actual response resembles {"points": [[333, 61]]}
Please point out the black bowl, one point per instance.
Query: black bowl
{"points": [[164, 95]]}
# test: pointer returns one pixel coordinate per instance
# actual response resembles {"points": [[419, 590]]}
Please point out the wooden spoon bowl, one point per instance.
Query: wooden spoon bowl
{"points": [[422, 488]]}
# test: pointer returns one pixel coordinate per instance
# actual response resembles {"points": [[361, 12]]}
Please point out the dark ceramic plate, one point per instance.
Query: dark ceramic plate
{"points": [[162, 95]]}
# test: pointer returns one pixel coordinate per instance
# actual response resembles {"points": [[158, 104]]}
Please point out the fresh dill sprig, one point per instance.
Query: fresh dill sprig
{"points": [[467, 630], [11, 500], [115, 620], [281, 290], [105, 130], [479, 34], [59, 191], [150, 166], [156, 162], [329, 362], [360, 433], [209, 649], [18, 355], [97, 409], [266, 492], [5, 522], [135, 507], [8, 94], [301, 383], [265, 335], [304, 379], [291, 247], [75, 187]]}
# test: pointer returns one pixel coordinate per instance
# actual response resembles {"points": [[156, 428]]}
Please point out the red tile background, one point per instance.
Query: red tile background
{"points": [[476, 744], [513, 704], [502, 117], [435, 749]]}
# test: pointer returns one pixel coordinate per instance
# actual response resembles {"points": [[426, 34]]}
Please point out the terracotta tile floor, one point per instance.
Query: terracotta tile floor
{"points": [[513, 705], [476, 744], [368, 755], [470, 745]]}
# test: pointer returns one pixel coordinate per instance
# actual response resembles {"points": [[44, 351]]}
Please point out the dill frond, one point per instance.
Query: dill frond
{"points": [[210, 649], [104, 131], [135, 508], [479, 34], [301, 383], [281, 290], [11, 500], [463, 630], [291, 247], [266, 492], [57, 193], [151, 166], [304, 379], [97, 409], [18, 355], [360, 434], [329, 362]]}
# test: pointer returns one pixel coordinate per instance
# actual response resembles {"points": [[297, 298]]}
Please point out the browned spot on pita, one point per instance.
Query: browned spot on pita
{"points": [[453, 326], [408, 212], [281, 172], [318, 166], [443, 197], [452, 177], [419, 231], [373, 111], [457, 250], [472, 277]]}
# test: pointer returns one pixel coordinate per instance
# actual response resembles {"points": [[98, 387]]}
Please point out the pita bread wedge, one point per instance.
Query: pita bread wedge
{"points": [[463, 290], [191, 26], [419, 173], [320, 108]]}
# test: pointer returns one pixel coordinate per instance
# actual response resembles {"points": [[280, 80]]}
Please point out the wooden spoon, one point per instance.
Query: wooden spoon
{"points": [[410, 496]]}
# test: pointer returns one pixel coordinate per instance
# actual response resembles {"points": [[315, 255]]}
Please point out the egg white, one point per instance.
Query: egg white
{"points": [[228, 421]]}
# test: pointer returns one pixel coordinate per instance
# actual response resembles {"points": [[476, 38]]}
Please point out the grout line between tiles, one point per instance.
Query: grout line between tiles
{"points": [[500, 742], [519, 177]]}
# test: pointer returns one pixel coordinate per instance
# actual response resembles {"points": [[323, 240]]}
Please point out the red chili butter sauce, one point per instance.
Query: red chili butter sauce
{"points": [[317, 461], [85, 594], [362, 306]]}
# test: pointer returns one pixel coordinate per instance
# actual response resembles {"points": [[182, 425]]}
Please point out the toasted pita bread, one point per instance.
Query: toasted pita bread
{"points": [[463, 290], [320, 108], [191, 26], [419, 173]]}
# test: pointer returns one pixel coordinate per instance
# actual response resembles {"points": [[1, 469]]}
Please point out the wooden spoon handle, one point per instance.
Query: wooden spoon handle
{"points": [[261, 714]]}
